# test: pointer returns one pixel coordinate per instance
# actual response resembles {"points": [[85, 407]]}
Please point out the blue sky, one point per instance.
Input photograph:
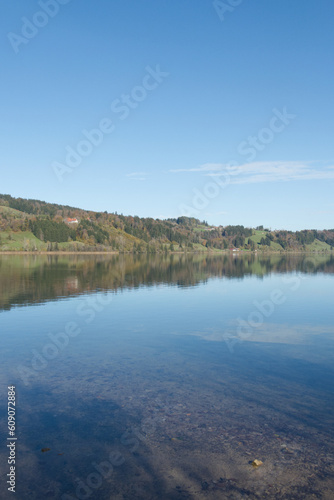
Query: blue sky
{"points": [[220, 111]]}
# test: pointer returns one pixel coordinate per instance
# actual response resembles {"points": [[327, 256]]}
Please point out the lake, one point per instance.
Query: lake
{"points": [[165, 377]]}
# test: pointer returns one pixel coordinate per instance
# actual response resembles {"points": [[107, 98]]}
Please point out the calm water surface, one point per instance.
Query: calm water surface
{"points": [[165, 377]]}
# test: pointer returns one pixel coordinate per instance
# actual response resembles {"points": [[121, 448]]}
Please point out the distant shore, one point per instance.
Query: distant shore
{"points": [[115, 252]]}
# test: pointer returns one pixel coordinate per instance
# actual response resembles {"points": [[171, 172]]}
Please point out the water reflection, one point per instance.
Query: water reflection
{"points": [[150, 376], [30, 279]]}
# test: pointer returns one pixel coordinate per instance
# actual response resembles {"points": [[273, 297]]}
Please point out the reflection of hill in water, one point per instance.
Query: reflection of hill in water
{"points": [[32, 279]]}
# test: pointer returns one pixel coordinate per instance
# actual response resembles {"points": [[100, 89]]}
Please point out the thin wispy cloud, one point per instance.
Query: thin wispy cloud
{"points": [[207, 167], [259, 172], [137, 176]]}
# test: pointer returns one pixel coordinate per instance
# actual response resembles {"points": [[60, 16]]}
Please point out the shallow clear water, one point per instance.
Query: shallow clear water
{"points": [[165, 377]]}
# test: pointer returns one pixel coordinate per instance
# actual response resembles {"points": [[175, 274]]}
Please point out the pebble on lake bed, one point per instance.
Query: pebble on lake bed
{"points": [[257, 463]]}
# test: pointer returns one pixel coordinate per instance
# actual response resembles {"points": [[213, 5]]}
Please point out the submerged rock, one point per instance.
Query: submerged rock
{"points": [[257, 463]]}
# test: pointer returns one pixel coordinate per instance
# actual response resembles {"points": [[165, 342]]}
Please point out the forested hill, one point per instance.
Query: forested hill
{"points": [[30, 225]]}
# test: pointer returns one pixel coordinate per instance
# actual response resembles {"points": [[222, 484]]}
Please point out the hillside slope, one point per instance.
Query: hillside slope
{"points": [[34, 225]]}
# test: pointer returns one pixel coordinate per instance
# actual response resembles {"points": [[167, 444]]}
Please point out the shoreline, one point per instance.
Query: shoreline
{"points": [[65, 252], [113, 252]]}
